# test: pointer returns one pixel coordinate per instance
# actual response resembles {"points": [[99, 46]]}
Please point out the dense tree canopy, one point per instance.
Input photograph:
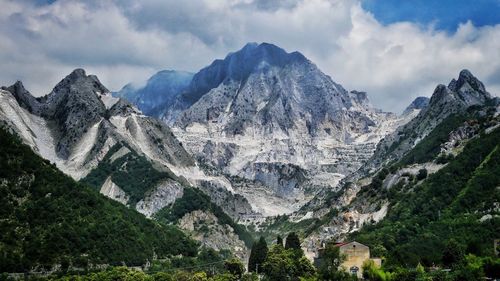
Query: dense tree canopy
{"points": [[47, 218]]}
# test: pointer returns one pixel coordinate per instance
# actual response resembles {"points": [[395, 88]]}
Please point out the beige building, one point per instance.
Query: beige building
{"points": [[355, 255]]}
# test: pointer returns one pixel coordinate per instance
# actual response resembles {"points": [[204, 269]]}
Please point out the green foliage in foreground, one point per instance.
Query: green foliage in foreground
{"points": [[287, 264], [278, 263], [133, 173], [290, 265], [448, 204], [124, 273], [194, 199], [47, 218], [330, 265], [470, 268]]}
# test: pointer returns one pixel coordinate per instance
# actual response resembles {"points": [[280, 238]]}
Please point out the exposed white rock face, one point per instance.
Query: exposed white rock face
{"points": [[205, 227], [455, 98], [162, 196], [39, 134], [79, 121], [459, 136], [120, 153], [113, 191], [107, 99], [274, 118], [77, 124]]}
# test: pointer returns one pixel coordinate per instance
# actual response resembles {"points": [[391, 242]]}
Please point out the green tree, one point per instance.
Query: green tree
{"points": [[224, 277], [258, 254], [287, 264], [373, 273], [292, 241], [162, 276], [250, 277], [279, 240], [330, 264], [303, 267], [278, 265], [453, 253], [200, 276], [235, 267], [422, 174]]}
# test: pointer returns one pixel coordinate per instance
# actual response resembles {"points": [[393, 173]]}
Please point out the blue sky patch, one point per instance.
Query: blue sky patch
{"points": [[445, 14]]}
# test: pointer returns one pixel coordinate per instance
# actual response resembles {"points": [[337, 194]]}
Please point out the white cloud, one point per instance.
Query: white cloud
{"points": [[128, 40]]}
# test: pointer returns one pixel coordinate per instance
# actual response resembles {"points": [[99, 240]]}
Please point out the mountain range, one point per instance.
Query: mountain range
{"points": [[256, 137], [273, 118]]}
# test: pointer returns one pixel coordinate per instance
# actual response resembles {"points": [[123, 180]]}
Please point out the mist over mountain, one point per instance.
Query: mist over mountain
{"points": [[160, 91]]}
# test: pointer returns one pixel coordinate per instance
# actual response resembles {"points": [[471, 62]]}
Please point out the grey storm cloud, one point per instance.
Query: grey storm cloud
{"points": [[129, 40]]}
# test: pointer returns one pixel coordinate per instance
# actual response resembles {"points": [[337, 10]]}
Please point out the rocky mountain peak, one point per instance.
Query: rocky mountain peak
{"points": [[418, 103], [254, 57], [264, 87], [465, 91], [238, 66], [24, 97], [79, 81], [75, 104], [15, 88], [77, 73], [456, 98], [464, 77]]}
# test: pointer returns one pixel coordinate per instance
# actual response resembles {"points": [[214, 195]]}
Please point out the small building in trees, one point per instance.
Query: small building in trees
{"points": [[354, 255]]}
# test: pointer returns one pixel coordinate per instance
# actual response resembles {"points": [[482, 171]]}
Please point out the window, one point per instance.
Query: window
{"points": [[354, 270]]}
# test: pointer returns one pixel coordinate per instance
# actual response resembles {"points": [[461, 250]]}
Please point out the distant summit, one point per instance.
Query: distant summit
{"points": [[417, 104], [160, 91], [237, 66]]}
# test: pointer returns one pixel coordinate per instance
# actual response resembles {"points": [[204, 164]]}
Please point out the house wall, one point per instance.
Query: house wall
{"points": [[356, 254]]}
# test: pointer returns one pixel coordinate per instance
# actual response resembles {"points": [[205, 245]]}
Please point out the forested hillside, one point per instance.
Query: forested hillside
{"points": [[458, 203], [47, 218], [132, 172]]}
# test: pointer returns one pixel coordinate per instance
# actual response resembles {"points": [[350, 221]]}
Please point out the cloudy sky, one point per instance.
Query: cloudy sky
{"points": [[391, 49]]}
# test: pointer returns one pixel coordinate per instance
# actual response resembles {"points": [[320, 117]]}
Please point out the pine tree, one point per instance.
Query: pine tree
{"points": [[292, 241], [279, 240], [453, 253], [258, 254]]}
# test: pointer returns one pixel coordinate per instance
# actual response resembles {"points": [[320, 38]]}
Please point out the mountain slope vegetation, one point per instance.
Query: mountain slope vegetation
{"points": [[459, 201], [194, 199], [132, 172], [47, 218]]}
